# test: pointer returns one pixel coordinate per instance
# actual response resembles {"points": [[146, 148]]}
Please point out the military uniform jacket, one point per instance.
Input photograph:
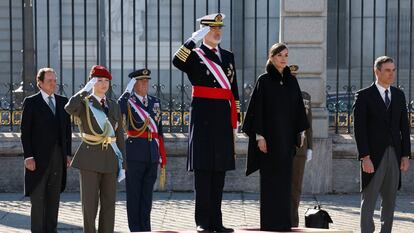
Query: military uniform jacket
{"points": [[94, 157], [307, 143], [211, 139], [141, 149], [39, 135]]}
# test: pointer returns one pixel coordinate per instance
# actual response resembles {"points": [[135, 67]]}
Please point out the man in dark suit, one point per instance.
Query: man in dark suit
{"points": [[46, 138], [100, 155], [214, 109], [382, 135], [144, 148]]}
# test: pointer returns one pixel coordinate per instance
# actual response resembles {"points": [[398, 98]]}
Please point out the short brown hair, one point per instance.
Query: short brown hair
{"points": [[40, 77], [381, 60]]}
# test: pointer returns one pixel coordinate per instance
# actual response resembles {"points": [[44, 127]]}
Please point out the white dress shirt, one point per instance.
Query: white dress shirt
{"points": [[381, 90], [45, 97]]}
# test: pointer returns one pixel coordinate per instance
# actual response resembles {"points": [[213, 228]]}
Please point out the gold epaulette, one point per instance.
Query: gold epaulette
{"points": [[183, 53]]}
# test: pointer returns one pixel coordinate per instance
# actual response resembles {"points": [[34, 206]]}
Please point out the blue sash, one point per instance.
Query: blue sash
{"points": [[101, 118]]}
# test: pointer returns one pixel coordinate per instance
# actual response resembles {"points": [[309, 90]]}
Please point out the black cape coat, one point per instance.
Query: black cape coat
{"points": [[276, 111]]}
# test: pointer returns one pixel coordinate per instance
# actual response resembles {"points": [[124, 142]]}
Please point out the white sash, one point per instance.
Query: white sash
{"points": [[215, 69], [144, 115]]}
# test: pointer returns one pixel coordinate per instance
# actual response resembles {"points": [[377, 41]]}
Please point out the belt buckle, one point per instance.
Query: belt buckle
{"points": [[105, 143]]}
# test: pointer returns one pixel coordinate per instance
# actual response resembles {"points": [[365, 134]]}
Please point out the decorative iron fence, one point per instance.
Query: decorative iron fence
{"points": [[72, 35], [358, 32]]}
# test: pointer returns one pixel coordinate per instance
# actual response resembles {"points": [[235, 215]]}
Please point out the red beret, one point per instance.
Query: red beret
{"points": [[100, 72]]}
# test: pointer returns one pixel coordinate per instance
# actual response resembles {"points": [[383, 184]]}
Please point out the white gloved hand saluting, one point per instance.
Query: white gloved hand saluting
{"points": [[89, 85], [200, 34], [308, 155], [130, 85]]}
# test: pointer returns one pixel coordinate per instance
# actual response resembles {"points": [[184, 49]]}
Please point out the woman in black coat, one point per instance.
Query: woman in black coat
{"points": [[275, 116]]}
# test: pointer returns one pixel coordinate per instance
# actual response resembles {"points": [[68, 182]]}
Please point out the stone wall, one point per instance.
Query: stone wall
{"points": [[342, 165]]}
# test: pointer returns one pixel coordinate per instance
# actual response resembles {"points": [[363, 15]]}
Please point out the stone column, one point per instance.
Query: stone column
{"points": [[303, 27]]}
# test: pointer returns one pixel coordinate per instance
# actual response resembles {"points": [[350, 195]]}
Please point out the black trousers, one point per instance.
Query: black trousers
{"points": [[140, 180], [46, 196], [208, 186]]}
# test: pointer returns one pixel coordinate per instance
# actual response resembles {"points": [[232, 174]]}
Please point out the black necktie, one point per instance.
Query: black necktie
{"points": [[105, 108], [387, 99]]}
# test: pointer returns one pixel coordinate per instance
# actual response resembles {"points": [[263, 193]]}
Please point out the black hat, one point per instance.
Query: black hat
{"points": [[140, 74], [212, 20]]}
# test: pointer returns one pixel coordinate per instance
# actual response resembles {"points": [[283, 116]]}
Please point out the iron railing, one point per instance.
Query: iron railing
{"points": [[358, 32], [72, 35]]}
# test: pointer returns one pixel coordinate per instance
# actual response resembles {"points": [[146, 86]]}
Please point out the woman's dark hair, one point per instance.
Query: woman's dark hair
{"points": [[275, 49]]}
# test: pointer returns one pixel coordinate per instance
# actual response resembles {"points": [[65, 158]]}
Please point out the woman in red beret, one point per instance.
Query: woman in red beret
{"points": [[100, 155]]}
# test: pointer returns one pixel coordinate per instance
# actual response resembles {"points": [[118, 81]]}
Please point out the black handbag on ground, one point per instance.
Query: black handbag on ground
{"points": [[317, 218]]}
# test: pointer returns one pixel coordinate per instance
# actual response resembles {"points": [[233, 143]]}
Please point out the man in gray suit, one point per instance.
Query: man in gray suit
{"points": [[382, 135], [100, 155]]}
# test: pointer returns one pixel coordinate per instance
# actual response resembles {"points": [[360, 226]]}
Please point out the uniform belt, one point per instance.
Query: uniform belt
{"points": [[134, 133], [218, 93], [90, 137], [146, 134], [93, 138]]}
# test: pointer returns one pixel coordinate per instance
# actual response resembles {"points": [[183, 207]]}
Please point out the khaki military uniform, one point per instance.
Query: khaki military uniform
{"points": [[299, 162], [98, 164]]}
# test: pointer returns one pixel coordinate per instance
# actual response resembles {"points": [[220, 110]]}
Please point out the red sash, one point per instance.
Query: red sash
{"points": [[134, 133], [218, 93]]}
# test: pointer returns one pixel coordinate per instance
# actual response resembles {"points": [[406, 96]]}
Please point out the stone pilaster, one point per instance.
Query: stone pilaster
{"points": [[303, 27]]}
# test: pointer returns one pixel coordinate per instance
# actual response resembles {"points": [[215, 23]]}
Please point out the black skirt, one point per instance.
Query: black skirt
{"points": [[275, 192]]}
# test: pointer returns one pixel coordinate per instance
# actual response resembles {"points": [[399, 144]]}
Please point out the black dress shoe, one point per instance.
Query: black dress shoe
{"points": [[202, 229], [222, 229]]}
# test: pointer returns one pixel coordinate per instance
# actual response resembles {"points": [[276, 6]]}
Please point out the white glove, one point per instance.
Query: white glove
{"points": [[308, 155], [130, 85], [89, 85], [199, 35], [121, 175], [302, 138]]}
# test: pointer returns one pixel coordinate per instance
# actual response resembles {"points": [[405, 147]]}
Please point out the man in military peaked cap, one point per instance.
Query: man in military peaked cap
{"points": [[144, 148], [212, 73]]}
